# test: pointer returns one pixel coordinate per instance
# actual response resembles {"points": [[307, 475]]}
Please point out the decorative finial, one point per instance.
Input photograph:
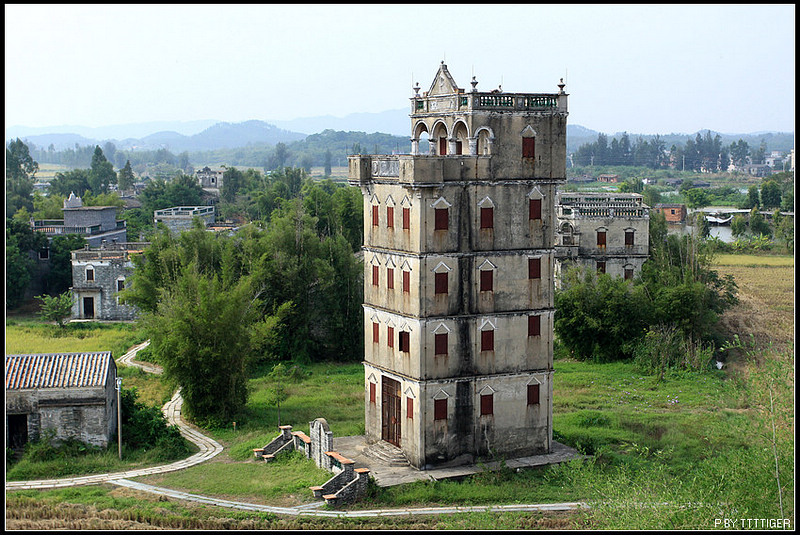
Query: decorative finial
{"points": [[474, 83], [561, 86], [416, 90]]}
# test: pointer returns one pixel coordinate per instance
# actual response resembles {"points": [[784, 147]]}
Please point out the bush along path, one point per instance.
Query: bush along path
{"points": [[209, 448]]}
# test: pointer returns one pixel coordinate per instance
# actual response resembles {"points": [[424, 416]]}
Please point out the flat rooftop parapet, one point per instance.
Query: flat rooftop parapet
{"points": [[184, 211]]}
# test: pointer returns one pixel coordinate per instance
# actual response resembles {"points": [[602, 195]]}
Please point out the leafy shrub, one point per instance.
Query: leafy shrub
{"points": [[145, 427], [665, 347]]}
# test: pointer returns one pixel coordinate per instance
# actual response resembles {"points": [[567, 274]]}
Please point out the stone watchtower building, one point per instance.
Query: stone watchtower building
{"points": [[458, 290]]}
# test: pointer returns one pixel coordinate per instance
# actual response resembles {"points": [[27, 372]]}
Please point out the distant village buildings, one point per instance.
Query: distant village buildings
{"points": [[97, 224], [673, 212], [180, 218], [603, 232], [210, 179]]}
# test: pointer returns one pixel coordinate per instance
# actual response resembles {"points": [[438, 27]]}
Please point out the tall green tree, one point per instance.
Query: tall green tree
{"points": [[74, 181], [59, 277], [201, 333], [21, 170], [771, 194], [125, 177], [21, 243], [327, 162], [102, 174]]}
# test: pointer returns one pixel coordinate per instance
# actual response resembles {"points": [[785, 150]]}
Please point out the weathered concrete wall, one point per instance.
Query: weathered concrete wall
{"points": [[512, 227], [514, 429]]}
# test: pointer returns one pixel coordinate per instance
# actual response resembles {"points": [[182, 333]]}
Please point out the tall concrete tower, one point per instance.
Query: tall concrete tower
{"points": [[459, 276]]}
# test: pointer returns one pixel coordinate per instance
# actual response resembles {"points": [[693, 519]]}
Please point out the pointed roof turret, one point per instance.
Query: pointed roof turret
{"points": [[443, 83]]}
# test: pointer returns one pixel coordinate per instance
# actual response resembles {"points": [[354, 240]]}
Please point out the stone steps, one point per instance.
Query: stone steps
{"points": [[387, 453]]}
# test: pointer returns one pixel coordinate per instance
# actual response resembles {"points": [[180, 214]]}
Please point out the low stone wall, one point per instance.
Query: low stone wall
{"points": [[348, 483]]}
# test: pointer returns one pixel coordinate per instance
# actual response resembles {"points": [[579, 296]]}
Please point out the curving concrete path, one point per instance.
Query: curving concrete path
{"points": [[209, 448]]}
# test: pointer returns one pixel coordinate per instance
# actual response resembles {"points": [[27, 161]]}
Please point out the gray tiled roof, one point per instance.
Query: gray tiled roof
{"points": [[57, 370]]}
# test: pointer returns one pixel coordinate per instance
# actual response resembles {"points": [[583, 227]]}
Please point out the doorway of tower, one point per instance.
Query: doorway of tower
{"points": [[88, 307], [390, 414]]}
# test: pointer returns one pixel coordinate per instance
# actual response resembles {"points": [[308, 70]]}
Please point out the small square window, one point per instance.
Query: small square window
{"points": [[440, 409], [487, 217], [487, 280], [440, 283], [440, 344], [533, 394], [487, 340], [628, 274], [487, 404], [120, 285], [441, 219]]}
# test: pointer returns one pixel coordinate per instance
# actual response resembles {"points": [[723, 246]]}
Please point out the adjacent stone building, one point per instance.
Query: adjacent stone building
{"points": [[98, 275], [210, 179], [606, 232], [458, 253], [72, 395], [97, 224], [180, 218]]}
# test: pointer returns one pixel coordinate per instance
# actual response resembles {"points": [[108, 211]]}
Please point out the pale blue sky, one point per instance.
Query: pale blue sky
{"points": [[641, 69]]}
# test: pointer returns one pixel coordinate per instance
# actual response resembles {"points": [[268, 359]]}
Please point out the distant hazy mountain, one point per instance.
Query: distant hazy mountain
{"points": [[216, 136], [394, 122], [123, 131], [210, 135]]}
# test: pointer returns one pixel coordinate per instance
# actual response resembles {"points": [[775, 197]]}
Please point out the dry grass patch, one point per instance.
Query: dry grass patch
{"points": [[766, 301]]}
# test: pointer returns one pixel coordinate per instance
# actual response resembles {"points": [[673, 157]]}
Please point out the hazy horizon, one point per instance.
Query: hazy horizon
{"points": [[647, 69]]}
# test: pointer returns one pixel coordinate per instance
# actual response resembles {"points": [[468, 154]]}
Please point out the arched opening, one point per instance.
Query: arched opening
{"points": [[485, 139], [420, 143], [439, 138], [461, 135]]}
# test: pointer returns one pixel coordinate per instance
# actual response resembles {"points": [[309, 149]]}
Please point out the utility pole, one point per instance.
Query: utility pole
{"points": [[119, 416]]}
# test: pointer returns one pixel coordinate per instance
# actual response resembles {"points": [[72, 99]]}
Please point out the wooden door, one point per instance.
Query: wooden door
{"points": [[390, 417], [88, 307]]}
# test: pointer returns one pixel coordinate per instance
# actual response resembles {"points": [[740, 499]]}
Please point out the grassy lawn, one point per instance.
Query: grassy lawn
{"points": [[27, 335]]}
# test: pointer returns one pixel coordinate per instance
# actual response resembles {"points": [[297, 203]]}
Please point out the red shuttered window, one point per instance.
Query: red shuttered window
{"points": [[441, 216], [535, 209], [440, 344]]}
